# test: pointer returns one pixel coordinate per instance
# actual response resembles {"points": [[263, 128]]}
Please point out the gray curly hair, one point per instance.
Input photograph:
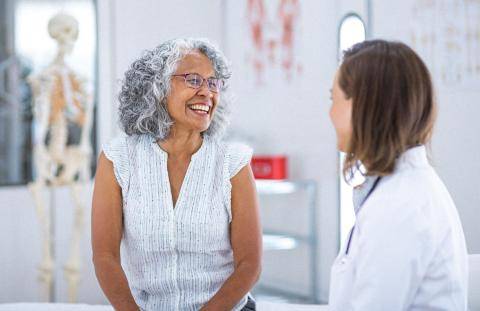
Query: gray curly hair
{"points": [[146, 87]]}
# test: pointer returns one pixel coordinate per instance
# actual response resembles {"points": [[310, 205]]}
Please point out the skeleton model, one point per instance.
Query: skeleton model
{"points": [[60, 99]]}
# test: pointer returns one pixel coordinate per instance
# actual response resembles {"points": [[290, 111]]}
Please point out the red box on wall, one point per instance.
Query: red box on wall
{"points": [[269, 167]]}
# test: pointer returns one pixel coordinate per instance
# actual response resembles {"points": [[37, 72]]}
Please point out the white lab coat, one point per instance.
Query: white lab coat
{"points": [[407, 251]]}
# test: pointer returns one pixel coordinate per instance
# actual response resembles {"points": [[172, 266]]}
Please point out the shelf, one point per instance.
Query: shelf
{"points": [[278, 242], [281, 240], [273, 294], [281, 234], [267, 186]]}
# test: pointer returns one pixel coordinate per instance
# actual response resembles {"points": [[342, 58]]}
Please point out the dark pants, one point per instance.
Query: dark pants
{"points": [[250, 306]]}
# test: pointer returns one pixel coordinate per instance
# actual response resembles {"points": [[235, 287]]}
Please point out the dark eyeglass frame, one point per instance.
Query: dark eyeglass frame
{"points": [[215, 87]]}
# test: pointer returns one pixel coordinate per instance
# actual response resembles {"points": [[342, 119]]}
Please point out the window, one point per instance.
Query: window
{"points": [[352, 30], [26, 49]]}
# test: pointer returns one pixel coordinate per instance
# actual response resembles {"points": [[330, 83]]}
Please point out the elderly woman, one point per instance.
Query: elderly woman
{"points": [[181, 201]]}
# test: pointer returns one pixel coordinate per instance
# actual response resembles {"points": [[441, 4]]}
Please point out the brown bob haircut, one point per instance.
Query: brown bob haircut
{"points": [[393, 105]]}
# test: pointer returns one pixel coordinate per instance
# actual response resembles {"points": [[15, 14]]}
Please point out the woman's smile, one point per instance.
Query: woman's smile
{"points": [[202, 109]]}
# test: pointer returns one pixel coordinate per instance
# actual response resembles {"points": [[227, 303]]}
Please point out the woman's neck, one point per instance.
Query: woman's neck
{"points": [[182, 143]]}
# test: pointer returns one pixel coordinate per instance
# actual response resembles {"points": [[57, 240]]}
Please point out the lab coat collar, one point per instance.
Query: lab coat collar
{"points": [[413, 157], [361, 192]]}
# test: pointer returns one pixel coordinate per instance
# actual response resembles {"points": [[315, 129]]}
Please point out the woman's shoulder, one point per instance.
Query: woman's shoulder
{"points": [[401, 188], [235, 155], [124, 145], [231, 149], [417, 194], [119, 150], [413, 183]]}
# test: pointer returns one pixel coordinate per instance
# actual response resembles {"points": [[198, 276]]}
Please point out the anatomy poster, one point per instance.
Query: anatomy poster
{"points": [[265, 36], [447, 32]]}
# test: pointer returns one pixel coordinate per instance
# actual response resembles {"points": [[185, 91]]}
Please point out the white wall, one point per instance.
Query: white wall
{"points": [[141, 25], [280, 117], [126, 28], [291, 118], [21, 251], [456, 142]]}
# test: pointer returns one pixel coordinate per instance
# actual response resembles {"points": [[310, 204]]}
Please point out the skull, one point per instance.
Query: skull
{"points": [[64, 29]]}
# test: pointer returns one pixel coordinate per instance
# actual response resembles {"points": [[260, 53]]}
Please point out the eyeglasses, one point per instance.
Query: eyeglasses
{"points": [[195, 81]]}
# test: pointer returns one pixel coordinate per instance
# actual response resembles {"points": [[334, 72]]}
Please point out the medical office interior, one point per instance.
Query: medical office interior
{"points": [[283, 54]]}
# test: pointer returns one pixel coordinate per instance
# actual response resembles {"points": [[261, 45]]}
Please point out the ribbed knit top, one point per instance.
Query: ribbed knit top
{"points": [[176, 257]]}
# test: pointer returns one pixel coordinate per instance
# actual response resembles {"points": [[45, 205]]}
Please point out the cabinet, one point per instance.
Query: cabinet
{"points": [[283, 240]]}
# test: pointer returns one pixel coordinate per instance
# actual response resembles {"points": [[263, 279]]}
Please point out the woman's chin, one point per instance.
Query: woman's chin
{"points": [[341, 147], [201, 128]]}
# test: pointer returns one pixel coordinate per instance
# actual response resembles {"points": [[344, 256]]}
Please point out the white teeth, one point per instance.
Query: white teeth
{"points": [[200, 107]]}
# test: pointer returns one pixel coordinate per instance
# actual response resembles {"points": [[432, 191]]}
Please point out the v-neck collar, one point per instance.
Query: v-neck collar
{"points": [[185, 182], [361, 192], [164, 154]]}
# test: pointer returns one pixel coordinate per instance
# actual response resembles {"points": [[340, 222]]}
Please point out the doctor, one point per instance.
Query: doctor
{"points": [[407, 248]]}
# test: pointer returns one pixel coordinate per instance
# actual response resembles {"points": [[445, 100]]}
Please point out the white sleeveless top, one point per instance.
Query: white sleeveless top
{"points": [[176, 258]]}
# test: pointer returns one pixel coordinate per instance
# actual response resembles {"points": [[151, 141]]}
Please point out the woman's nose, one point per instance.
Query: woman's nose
{"points": [[204, 90]]}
